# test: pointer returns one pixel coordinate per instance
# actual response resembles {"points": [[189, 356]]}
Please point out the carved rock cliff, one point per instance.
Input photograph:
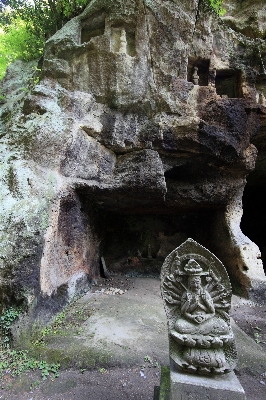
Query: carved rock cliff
{"points": [[116, 151]]}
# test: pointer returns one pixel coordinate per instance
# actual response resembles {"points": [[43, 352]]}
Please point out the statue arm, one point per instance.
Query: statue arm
{"points": [[185, 303], [209, 305], [187, 307]]}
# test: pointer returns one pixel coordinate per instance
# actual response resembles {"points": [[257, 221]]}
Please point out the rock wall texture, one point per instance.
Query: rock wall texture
{"points": [[115, 152]]}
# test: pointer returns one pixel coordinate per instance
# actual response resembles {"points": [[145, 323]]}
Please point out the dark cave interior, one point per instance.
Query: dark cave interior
{"points": [[137, 244], [253, 222]]}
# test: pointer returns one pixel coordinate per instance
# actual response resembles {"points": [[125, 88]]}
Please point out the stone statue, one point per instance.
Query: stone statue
{"points": [[195, 76], [262, 100], [197, 298], [212, 77], [123, 42]]}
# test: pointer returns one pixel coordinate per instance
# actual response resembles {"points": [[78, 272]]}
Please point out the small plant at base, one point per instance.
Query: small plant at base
{"points": [[34, 384], [257, 335], [68, 321], [102, 370], [148, 359], [18, 361], [6, 320]]}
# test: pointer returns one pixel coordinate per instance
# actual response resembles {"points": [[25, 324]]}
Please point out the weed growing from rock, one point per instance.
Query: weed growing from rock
{"points": [[15, 362], [6, 320], [67, 322]]}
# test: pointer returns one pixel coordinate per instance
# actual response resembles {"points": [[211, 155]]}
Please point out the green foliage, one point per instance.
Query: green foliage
{"points": [[18, 361], [66, 322], [148, 359], [258, 336], [16, 42], [25, 25], [150, 363], [6, 320], [102, 370], [217, 6], [42, 18]]}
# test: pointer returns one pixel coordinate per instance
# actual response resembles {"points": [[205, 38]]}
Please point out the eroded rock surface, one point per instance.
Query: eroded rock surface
{"points": [[115, 149]]}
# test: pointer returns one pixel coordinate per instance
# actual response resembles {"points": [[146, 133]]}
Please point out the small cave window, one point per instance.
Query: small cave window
{"points": [[123, 40], [228, 83], [200, 67], [92, 27]]}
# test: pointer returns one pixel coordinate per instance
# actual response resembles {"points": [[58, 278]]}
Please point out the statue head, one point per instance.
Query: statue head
{"points": [[193, 270], [194, 283]]}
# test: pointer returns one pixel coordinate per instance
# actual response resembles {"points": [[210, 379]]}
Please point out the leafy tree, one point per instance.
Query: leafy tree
{"points": [[25, 25], [43, 17], [16, 42]]}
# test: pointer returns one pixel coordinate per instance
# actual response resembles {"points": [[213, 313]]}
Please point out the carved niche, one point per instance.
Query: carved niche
{"points": [[197, 297]]}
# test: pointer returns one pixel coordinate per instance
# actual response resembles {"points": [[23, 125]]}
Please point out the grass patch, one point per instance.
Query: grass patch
{"points": [[15, 362], [55, 346], [66, 323]]}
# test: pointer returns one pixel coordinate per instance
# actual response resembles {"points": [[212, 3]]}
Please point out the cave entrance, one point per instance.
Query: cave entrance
{"points": [[253, 222], [136, 241], [137, 244]]}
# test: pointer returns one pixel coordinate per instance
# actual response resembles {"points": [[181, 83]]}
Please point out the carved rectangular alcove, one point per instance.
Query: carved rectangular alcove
{"points": [[135, 238], [228, 83], [137, 242], [203, 70], [92, 26], [116, 32]]}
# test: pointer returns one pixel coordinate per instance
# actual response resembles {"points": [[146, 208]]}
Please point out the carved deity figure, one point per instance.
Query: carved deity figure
{"points": [[212, 77], [195, 76], [123, 42], [197, 303], [262, 99]]}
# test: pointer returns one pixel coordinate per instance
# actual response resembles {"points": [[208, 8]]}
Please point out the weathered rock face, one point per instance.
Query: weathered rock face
{"points": [[247, 17], [115, 151]]}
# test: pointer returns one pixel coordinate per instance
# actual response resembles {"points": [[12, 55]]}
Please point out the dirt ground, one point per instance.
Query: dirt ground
{"points": [[251, 318], [131, 326]]}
